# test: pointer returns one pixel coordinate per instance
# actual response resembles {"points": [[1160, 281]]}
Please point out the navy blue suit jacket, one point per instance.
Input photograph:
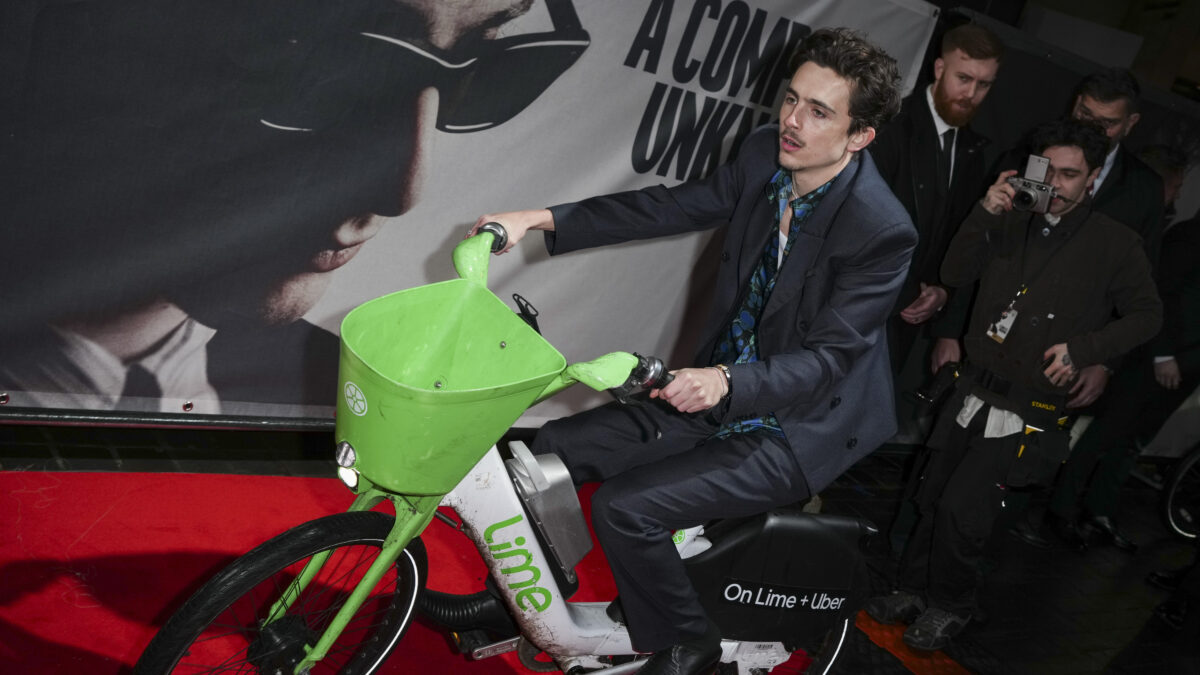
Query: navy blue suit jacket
{"points": [[824, 368]]}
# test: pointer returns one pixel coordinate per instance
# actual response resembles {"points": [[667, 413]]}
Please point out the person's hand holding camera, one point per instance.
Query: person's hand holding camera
{"points": [[999, 197]]}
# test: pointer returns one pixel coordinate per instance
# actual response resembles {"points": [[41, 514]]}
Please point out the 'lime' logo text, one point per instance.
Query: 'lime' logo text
{"points": [[530, 596]]}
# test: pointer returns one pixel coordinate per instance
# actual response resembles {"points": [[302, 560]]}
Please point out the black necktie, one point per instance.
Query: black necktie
{"points": [[947, 156], [139, 384]]}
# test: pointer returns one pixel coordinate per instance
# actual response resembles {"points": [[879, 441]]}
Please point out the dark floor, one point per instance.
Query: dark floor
{"points": [[1048, 611]]}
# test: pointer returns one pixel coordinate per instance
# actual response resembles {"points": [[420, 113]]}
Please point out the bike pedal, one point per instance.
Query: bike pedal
{"points": [[477, 645], [468, 641]]}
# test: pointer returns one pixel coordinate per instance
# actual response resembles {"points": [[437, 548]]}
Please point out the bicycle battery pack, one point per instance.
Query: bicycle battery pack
{"points": [[545, 486]]}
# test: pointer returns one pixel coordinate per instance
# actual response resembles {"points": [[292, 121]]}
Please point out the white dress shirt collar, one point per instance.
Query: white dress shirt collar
{"points": [[1109, 160], [75, 372]]}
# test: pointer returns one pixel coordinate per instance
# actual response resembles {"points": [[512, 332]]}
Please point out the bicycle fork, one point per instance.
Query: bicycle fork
{"points": [[413, 514]]}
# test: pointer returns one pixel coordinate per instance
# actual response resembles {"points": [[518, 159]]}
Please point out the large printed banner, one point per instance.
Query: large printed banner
{"points": [[197, 191]]}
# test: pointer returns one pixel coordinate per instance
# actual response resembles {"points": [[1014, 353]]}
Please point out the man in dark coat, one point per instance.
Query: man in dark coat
{"points": [[1130, 192], [934, 163], [792, 381], [1126, 189], [1049, 286]]}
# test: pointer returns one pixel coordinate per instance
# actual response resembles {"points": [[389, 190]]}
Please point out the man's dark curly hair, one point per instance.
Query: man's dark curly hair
{"points": [[1086, 136], [873, 75]]}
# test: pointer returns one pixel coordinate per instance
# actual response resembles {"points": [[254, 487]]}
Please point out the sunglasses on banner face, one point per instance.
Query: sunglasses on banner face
{"points": [[488, 87]]}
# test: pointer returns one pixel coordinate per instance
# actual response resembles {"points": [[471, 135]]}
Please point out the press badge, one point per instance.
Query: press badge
{"points": [[999, 329]]}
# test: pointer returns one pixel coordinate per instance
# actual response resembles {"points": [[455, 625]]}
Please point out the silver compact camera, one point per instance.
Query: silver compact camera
{"points": [[1033, 193]]}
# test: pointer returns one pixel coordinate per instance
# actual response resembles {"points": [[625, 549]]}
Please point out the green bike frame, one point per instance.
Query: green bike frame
{"points": [[429, 379]]}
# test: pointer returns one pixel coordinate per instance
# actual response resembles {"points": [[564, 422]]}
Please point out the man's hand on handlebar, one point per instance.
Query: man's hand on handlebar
{"points": [[517, 223], [694, 389]]}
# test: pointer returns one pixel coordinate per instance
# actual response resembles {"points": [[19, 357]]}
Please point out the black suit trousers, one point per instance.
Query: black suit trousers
{"points": [[659, 472], [960, 496]]}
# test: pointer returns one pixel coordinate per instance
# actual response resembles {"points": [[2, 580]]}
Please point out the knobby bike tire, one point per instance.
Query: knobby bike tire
{"points": [[219, 628], [1181, 502]]}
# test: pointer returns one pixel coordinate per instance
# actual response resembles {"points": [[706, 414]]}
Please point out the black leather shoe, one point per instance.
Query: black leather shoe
{"points": [[1107, 530], [700, 656], [1066, 530], [1029, 534]]}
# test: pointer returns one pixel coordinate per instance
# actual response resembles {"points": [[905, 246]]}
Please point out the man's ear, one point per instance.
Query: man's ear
{"points": [[1092, 177], [861, 139], [1133, 119], [939, 67]]}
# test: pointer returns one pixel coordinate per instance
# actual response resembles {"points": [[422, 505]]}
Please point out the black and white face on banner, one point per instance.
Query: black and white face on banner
{"points": [[203, 188]]}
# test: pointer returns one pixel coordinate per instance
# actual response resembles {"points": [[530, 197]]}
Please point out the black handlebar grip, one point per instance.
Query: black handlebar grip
{"points": [[653, 372], [649, 373], [501, 239]]}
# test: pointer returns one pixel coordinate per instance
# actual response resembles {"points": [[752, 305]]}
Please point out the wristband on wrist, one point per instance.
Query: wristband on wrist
{"points": [[728, 379]]}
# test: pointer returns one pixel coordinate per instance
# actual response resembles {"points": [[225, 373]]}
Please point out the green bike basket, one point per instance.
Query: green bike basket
{"points": [[429, 380]]}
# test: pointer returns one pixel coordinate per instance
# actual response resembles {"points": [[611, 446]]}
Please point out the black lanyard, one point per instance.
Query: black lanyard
{"points": [[1025, 286]]}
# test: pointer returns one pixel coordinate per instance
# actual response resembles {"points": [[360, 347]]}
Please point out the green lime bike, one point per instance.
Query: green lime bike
{"points": [[430, 378]]}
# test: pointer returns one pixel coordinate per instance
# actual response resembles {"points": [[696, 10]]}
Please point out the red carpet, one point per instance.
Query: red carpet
{"points": [[92, 563]]}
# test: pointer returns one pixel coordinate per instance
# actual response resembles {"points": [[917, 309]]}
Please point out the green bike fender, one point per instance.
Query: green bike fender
{"points": [[605, 372]]}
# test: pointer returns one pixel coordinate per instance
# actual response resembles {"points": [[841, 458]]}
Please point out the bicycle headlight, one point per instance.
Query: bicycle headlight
{"points": [[349, 477], [345, 455]]}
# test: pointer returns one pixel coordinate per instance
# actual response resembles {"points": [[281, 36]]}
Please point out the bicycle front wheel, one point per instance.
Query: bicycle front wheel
{"points": [[1182, 499], [220, 628]]}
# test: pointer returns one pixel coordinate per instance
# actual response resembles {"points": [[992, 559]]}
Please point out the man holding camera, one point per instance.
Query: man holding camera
{"points": [[1053, 272], [1125, 189]]}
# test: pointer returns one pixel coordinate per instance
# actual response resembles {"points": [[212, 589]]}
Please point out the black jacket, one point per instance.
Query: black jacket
{"points": [[1075, 285], [823, 368], [905, 153], [1132, 194]]}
